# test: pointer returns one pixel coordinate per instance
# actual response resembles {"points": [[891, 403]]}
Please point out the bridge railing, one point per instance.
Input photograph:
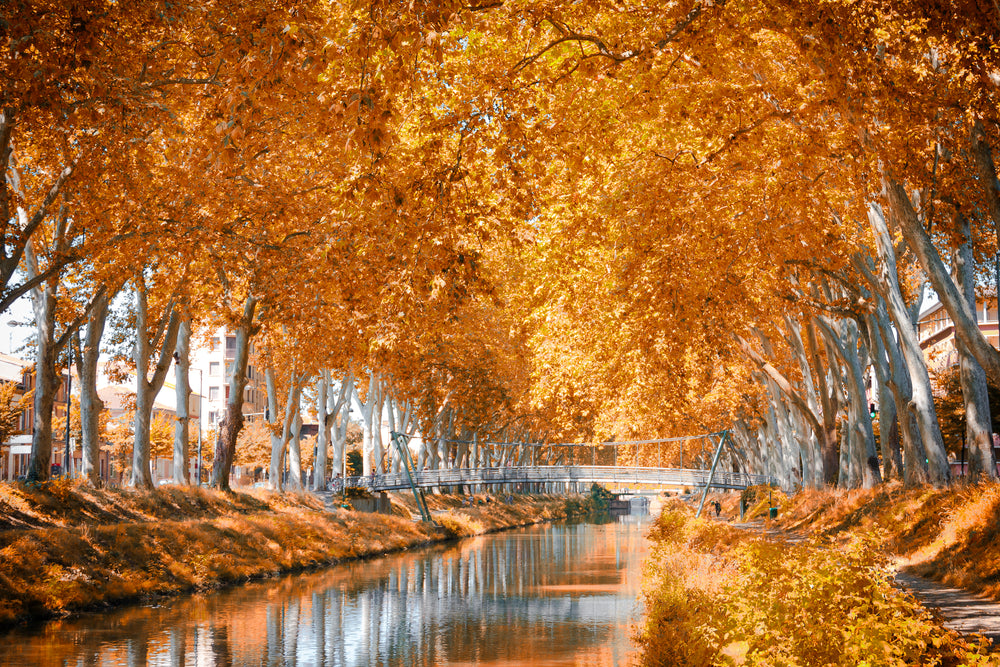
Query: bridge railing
{"points": [[675, 477]]}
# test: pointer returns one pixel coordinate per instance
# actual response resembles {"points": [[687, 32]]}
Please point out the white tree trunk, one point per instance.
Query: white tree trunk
{"points": [[978, 425], [368, 420], [91, 404], [323, 432], [295, 449], [922, 401], [182, 393], [147, 387], [281, 437]]}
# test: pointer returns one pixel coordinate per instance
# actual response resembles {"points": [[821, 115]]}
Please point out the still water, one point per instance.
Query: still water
{"points": [[555, 594]]}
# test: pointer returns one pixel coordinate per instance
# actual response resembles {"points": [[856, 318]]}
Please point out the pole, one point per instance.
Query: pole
{"points": [[69, 388], [711, 475], [201, 388]]}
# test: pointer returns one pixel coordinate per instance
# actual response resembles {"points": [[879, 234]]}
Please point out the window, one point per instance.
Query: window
{"points": [[227, 392], [213, 393], [213, 418], [216, 343], [230, 347], [214, 368], [991, 311]]}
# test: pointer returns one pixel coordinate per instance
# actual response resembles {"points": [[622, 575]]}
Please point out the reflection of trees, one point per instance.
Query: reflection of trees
{"points": [[485, 599]]}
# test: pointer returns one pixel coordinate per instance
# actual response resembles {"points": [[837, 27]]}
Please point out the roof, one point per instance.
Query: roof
{"points": [[12, 368], [114, 398]]}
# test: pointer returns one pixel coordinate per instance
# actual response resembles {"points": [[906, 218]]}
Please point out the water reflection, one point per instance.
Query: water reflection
{"points": [[547, 595]]}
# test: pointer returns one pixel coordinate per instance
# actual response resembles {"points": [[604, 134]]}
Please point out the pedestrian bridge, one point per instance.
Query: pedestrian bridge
{"points": [[572, 474]]}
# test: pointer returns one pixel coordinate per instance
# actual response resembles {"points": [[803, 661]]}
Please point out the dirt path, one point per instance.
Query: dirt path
{"points": [[960, 609]]}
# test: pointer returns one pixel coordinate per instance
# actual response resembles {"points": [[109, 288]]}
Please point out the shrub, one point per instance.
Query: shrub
{"points": [[717, 595]]}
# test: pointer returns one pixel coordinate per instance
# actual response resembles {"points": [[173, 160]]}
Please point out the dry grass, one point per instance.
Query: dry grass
{"points": [[66, 547]]}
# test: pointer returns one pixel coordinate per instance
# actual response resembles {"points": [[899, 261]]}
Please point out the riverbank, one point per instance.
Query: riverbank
{"points": [[716, 595], [65, 547]]}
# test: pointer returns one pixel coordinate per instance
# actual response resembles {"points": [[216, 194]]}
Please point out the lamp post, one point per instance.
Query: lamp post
{"points": [[69, 388], [201, 383]]}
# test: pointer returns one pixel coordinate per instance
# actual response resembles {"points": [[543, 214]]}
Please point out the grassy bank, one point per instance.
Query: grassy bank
{"points": [[718, 595], [66, 547]]}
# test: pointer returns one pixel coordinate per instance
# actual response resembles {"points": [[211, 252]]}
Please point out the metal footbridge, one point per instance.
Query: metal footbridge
{"points": [[560, 474], [545, 477]]}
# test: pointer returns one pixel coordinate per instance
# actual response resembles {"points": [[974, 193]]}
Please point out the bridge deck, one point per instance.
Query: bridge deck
{"points": [[669, 477]]}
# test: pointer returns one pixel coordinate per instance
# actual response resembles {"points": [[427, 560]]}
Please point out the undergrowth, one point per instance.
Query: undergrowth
{"points": [[717, 595], [951, 535]]}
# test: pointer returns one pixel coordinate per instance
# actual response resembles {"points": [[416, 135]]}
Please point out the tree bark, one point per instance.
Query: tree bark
{"points": [[147, 387], [182, 392], [892, 463], [922, 402], [232, 422], [368, 420], [91, 404], [864, 463], [963, 317], [323, 432], [978, 426], [295, 444]]}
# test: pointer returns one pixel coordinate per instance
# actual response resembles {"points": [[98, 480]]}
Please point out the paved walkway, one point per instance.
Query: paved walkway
{"points": [[960, 609]]}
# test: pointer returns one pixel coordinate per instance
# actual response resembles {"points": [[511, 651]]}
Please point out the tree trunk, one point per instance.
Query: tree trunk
{"points": [[91, 404], [817, 476], [47, 381], [892, 464], [830, 401], [864, 464], [146, 388], [914, 461], [341, 407], [978, 426], [922, 401], [182, 392], [295, 444], [368, 420], [323, 432], [232, 422]]}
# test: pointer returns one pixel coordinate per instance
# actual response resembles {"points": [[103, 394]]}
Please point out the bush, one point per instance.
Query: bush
{"points": [[354, 464], [600, 497], [717, 595], [356, 492]]}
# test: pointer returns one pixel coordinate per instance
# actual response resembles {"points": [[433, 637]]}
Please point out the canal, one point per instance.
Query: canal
{"points": [[552, 594]]}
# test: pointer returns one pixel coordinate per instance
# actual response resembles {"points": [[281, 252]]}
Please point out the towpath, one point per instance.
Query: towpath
{"points": [[961, 610]]}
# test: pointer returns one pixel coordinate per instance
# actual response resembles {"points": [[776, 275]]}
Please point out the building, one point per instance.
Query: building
{"points": [[16, 451], [210, 368], [936, 331]]}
